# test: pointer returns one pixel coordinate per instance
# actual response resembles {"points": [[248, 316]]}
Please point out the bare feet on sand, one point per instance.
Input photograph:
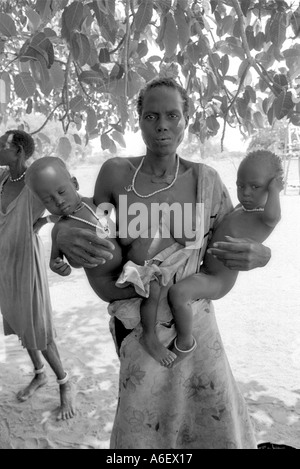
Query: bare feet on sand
{"points": [[38, 381], [67, 401], [157, 350]]}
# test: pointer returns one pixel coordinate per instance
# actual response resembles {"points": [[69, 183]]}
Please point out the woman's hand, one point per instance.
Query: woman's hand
{"points": [[83, 247], [240, 253]]}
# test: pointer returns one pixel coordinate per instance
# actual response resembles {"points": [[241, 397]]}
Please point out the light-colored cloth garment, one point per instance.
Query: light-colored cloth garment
{"points": [[162, 268], [196, 404], [24, 292], [139, 276]]}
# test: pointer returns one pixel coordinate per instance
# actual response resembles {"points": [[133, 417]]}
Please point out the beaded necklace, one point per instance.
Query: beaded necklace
{"points": [[17, 179], [100, 226], [260, 209], [133, 189]]}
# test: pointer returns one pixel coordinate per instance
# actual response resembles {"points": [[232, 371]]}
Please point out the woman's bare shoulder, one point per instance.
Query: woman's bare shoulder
{"points": [[122, 162], [118, 167], [199, 168]]}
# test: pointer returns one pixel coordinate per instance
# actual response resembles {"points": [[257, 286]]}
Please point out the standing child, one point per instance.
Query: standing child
{"points": [[24, 291]]}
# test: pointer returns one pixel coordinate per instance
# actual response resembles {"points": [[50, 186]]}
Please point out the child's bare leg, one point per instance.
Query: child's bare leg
{"points": [[39, 379], [66, 388], [183, 317], [149, 338]]}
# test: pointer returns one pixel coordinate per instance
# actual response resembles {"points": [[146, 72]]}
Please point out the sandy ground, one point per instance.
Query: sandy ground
{"points": [[259, 322]]}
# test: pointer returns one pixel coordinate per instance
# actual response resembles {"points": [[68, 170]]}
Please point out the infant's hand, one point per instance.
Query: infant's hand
{"points": [[276, 183], [60, 267]]}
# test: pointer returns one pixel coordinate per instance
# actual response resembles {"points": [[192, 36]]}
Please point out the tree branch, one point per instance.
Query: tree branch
{"points": [[251, 60], [126, 46], [47, 119]]}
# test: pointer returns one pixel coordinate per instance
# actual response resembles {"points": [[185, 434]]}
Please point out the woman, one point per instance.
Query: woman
{"points": [[24, 292], [195, 404]]}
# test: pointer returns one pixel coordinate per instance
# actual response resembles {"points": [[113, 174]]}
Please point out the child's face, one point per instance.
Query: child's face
{"points": [[56, 190], [253, 178]]}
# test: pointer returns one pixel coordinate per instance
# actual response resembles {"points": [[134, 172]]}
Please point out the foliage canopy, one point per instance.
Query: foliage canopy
{"points": [[83, 62]]}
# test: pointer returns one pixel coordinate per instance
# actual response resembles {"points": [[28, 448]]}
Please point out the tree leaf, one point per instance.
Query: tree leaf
{"points": [[77, 104], [57, 75], [64, 148], [5, 88], [142, 49], [212, 123], [72, 18], [33, 17], [91, 120], [241, 106], [104, 56], [259, 41], [7, 25], [245, 6], [91, 77], [25, 85], [271, 114], [224, 65], [242, 68], [135, 83], [258, 120], [41, 75], [143, 15], [227, 24], [251, 92], [80, 47], [29, 106], [215, 60], [147, 71], [44, 137], [77, 139], [170, 38], [41, 45], [43, 7], [234, 49], [182, 27], [292, 58], [119, 138], [277, 31], [107, 143]]}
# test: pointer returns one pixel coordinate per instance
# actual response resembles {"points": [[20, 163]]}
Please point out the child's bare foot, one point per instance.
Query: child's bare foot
{"points": [[38, 381], [157, 350], [183, 348], [67, 399]]}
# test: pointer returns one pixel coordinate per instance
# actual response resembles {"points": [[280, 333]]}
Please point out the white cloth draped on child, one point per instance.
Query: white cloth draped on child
{"points": [[163, 267]]}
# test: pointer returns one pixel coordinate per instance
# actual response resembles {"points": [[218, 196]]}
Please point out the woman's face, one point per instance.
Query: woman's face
{"points": [[162, 121], [252, 183], [7, 151], [56, 190]]}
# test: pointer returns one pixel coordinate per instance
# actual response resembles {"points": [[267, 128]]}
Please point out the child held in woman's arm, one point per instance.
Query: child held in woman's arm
{"points": [[259, 182]]}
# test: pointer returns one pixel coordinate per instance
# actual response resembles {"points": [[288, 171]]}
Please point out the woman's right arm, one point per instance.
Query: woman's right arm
{"points": [[83, 247]]}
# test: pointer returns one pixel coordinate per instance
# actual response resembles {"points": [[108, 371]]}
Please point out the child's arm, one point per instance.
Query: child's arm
{"points": [[214, 280], [57, 264], [272, 212]]}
